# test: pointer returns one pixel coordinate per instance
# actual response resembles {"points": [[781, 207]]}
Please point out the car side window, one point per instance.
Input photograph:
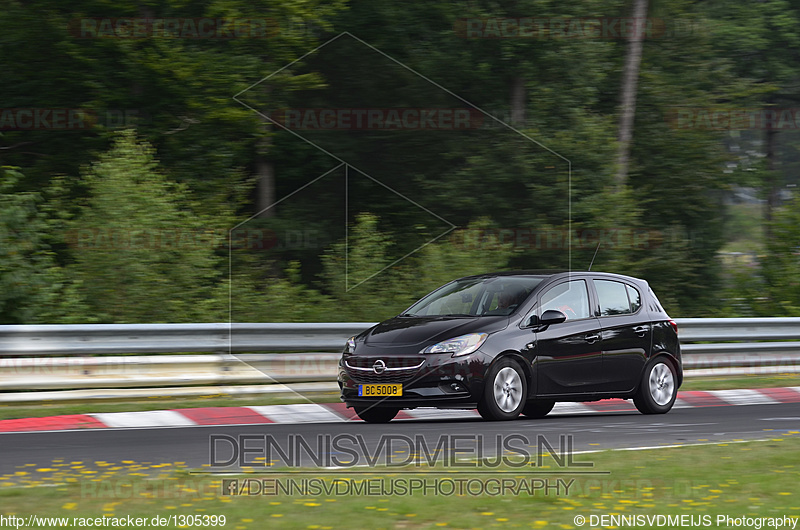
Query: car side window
{"points": [[613, 298], [571, 298], [635, 298]]}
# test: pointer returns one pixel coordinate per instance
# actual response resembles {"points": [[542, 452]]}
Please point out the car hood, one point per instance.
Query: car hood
{"points": [[408, 331]]}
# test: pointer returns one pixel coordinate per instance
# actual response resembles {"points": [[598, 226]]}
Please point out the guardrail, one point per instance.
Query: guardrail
{"points": [[99, 339], [48, 362], [750, 345]]}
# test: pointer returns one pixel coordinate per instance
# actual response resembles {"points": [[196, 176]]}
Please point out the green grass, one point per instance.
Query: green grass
{"points": [[739, 479]]}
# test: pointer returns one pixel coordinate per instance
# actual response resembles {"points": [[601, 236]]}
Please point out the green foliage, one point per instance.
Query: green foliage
{"points": [[26, 264], [142, 253], [137, 237], [350, 264], [476, 249], [781, 265], [275, 299], [770, 284], [359, 284], [33, 287]]}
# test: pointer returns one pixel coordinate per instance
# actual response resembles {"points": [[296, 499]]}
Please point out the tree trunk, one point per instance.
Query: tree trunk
{"points": [[265, 175], [771, 182], [630, 77], [518, 102]]}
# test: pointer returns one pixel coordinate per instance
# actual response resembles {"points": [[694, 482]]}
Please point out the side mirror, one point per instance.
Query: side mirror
{"points": [[552, 316]]}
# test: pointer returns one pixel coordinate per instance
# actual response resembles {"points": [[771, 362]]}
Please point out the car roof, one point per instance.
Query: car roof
{"points": [[553, 273]]}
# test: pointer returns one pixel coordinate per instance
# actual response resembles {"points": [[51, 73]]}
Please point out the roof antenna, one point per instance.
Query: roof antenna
{"points": [[595, 254]]}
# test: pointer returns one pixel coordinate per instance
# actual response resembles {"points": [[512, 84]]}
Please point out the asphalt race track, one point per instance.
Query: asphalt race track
{"points": [[587, 432]]}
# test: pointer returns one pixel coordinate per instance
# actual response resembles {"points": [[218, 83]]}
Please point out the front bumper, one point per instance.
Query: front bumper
{"points": [[429, 380]]}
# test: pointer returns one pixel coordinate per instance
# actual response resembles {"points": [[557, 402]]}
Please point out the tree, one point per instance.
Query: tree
{"points": [[30, 281], [761, 41], [630, 77], [781, 265], [141, 250]]}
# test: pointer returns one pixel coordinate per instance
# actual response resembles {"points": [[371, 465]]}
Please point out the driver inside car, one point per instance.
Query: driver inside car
{"points": [[510, 299]]}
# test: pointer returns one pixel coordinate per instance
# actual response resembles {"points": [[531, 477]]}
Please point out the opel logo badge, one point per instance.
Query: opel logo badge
{"points": [[379, 367]]}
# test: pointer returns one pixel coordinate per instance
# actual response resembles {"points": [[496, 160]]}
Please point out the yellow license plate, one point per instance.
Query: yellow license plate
{"points": [[380, 390]]}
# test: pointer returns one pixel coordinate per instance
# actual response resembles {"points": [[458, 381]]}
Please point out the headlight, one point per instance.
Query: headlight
{"points": [[458, 346], [350, 347]]}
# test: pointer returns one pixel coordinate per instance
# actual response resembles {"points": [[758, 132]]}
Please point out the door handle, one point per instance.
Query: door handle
{"points": [[640, 330], [591, 339]]}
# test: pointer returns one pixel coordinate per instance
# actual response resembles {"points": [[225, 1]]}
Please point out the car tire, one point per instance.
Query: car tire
{"points": [[658, 388], [505, 391], [377, 414], [538, 408]]}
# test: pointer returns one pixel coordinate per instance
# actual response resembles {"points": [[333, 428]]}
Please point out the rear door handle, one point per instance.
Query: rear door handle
{"points": [[641, 330], [591, 339]]}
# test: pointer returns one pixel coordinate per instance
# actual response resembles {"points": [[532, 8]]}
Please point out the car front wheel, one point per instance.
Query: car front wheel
{"points": [[658, 388], [505, 391]]}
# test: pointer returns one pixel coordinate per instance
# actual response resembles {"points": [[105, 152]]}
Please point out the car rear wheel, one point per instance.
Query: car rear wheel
{"points": [[505, 391], [658, 388], [377, 414], [538, 408]]}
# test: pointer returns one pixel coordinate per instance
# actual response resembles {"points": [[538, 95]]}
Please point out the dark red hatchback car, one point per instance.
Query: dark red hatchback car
{"points": [[512, 343]]}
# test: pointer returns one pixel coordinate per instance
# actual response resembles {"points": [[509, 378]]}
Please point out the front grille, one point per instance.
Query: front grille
{"points": [[398, 369], [366, 377], [391, 362]]}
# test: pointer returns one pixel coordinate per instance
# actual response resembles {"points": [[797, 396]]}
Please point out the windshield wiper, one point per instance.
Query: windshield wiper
{"points": [[457, 315]]}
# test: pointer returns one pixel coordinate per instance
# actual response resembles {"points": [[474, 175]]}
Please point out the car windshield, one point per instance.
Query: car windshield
{"points": [[476, 297]]}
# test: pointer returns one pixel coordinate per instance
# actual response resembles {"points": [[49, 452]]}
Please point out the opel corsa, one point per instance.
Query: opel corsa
{"points": [[514, 343]]}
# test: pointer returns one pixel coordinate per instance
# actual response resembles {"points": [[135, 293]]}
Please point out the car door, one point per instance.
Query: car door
{"points": [[626, 334], [568, 356]]}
